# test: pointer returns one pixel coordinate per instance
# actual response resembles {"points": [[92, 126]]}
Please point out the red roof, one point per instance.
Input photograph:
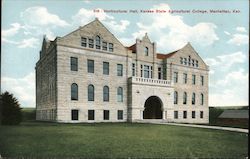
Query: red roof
{"points": [[165, 56], [132, 48]]}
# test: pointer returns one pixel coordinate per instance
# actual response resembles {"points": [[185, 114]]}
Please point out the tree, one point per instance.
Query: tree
{"points": [[11, 111]]}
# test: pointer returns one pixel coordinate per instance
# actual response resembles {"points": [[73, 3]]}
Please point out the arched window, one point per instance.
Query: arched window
{"points": [[74, 91], [185, 98], [146, 51], [91, 93], [193, 98], [175, 97], [105, 93], [202, 99], [97, 42], [119, 94]]}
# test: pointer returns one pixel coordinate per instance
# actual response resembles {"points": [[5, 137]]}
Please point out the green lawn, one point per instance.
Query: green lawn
{"points": [[123, 140]]}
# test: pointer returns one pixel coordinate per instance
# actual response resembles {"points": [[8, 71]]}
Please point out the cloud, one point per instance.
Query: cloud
{"points": [[227, 33], [11, 31], [241, 29], [25, 43], [118, 26], [171, 32], [31, 42], [84, 16], [239, 39], [225, 61], [39, 16], [22, 88], [232, 90], [87, 1]]}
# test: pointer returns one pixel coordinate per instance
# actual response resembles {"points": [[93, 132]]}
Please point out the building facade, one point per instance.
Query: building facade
{"points": [[89, 76]]}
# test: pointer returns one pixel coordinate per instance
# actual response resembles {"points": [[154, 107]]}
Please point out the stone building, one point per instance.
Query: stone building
{"points": [[90, 76]]}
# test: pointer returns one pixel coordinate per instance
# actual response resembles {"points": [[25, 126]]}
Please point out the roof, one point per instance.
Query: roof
{"points": [[132, 48], [165, 56], [236, 114]]}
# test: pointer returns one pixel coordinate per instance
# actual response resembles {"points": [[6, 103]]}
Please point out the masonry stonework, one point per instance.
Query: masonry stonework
{"points": [[141, 83]]}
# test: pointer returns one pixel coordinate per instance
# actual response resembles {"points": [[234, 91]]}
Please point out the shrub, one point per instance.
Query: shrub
{"points": [[11, 111]]}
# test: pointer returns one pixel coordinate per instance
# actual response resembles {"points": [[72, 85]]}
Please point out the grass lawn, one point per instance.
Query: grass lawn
{"points": [[123, 140]]}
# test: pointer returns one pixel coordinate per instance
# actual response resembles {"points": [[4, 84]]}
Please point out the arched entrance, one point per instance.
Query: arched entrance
{"points": [[153, 108]]}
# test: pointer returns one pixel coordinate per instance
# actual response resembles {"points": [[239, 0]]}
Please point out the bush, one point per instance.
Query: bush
{"points": [[11, 111]]}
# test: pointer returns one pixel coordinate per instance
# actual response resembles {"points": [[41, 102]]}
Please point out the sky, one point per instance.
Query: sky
{"points": [[220, 38]]}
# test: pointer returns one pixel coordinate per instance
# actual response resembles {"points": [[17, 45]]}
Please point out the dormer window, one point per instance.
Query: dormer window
{"points": [[104, 46], [196, 64], [189, 60], [146, 51], [185, 61], [193, 62], [91, 43], [181, 60], [98, 42], [83, 42], [111, 49]]}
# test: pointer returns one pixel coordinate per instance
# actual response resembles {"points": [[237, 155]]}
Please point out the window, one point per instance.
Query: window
{"points": [[159, 73], [111, 49], [97, 42], [73, 64], [184, 114], [176, 114], [74, 114], [189, 60], [91, 43], [184, 78], [146, 51], [175, 77], [193, 114], [106, 115], [151, 71], [202, 80], [193, 99], [83, 42], [141, 70], [91, 93], [193, 62], [104, 46], [119, 70], [193, 79], [197, 64], [119, 94], [120, 114], [74, 91], [185, 98], [105, 68], [91, 66], [181, 60], [201, 114], [91, 114], [202, 99], [105, 93], [175, 97], [185, 61], [146, 71], [133, 69]]}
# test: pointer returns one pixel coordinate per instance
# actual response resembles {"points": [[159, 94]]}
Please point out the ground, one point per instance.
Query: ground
{"points": [[123, 140]]}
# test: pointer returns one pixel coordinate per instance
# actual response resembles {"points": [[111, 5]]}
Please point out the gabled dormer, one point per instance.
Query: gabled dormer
{"points": [[144, 49], [93, 36], [186, 56]]}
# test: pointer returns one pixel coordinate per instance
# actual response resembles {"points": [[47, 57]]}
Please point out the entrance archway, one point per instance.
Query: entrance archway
{"points": [[153, 108]]}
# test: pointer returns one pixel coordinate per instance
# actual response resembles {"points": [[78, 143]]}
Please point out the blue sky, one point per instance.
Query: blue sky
{"points": [[221, 39]]}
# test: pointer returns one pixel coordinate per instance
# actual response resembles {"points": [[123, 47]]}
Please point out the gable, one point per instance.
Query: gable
{"points": [[91, 31], [188, 52]]}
